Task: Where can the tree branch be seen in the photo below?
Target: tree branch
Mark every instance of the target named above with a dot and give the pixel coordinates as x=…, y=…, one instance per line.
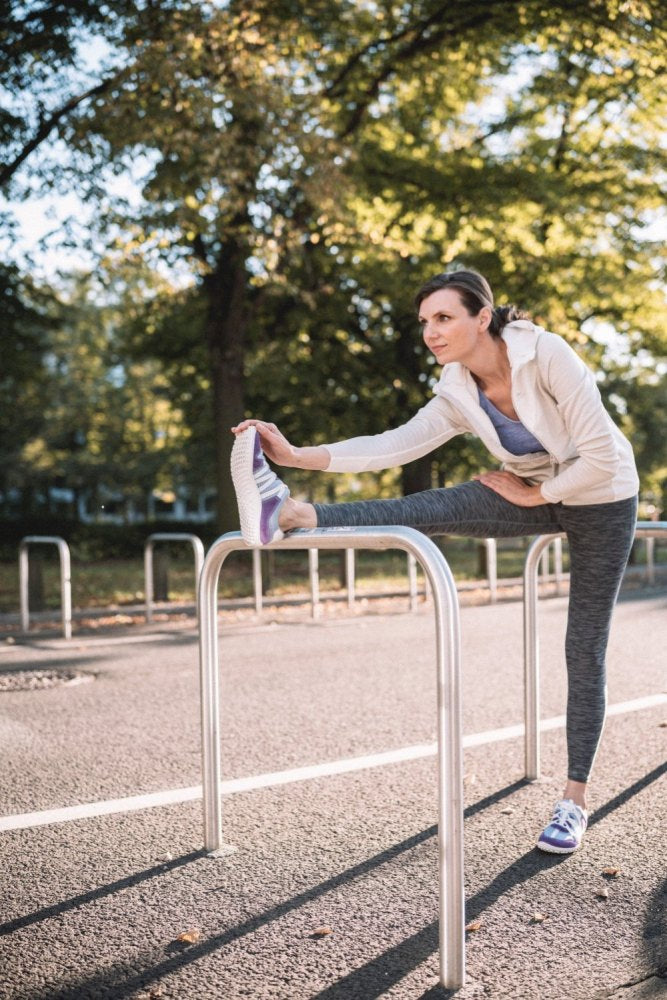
x=417, y=44
x=8, y=170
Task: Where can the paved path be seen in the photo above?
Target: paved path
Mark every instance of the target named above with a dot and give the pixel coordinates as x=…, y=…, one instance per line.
x=93, y=906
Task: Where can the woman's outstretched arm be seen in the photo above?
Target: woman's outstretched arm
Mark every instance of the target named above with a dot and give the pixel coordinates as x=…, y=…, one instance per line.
x=276, y=447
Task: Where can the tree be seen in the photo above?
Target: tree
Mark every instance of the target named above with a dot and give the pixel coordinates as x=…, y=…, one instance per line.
x=27, y=314
x=302, y=164
x=105, y=423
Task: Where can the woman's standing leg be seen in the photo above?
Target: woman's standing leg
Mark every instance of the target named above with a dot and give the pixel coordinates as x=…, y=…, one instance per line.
x=600, y=538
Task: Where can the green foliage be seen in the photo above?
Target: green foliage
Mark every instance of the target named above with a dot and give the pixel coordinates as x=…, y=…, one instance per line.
x=302, y=169
x=101, y=421
x=27, y=319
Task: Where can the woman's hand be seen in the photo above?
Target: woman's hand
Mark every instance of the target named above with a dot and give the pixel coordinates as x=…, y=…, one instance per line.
x=512, y=488
x=274, y=443
x=276, y=447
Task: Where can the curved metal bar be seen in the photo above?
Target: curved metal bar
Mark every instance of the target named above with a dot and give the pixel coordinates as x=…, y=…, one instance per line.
x=450, y=771
x=166, y=536
x=65, y=579
x=644, y=529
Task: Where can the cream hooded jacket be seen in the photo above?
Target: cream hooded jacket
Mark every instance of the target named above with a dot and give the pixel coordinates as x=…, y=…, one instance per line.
x=556, y=398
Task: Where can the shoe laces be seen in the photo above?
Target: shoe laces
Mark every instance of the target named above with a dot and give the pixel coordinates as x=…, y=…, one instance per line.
x=568, y=816
x=267, y=481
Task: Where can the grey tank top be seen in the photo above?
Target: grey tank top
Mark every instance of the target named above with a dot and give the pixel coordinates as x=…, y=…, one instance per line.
x=513, y=435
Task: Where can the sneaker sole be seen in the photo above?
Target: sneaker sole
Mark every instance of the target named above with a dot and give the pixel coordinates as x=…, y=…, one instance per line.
x=247, y=493
x=550, y=849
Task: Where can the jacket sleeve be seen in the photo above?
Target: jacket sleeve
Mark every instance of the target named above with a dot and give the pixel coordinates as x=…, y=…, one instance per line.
x=431, y=426
x=587, y=423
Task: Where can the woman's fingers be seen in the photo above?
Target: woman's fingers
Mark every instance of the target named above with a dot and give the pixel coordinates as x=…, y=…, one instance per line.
x=512, y=488
x=250, y=422
x=274, y=443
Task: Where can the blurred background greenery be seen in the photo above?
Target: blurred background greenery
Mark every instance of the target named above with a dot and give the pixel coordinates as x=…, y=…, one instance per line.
x=240, y=201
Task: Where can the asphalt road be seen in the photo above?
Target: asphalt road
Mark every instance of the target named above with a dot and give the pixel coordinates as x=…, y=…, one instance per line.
x=332, y=891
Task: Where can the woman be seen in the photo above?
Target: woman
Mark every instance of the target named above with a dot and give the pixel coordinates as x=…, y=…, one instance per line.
x=565, y=468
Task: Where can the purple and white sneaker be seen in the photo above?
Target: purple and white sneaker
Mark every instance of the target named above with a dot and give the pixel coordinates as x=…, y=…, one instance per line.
x=259, y=492
x=564, y=833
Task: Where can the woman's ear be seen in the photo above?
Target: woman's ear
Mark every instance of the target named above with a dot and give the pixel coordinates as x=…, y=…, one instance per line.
x=484, y=316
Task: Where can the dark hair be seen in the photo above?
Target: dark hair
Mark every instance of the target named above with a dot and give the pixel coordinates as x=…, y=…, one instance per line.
x=475, y=293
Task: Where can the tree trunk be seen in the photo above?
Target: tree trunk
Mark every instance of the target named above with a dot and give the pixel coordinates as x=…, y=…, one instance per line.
x=226, y=324
x=416, y=476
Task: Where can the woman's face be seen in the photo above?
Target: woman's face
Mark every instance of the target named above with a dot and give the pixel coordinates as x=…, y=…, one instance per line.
x=449, y=331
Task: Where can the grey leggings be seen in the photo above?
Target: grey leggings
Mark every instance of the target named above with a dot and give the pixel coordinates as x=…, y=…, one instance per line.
x=599, y=537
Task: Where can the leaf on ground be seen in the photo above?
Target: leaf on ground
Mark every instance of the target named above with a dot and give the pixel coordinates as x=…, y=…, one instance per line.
x=661, y=725
x=190, y=937
x=507, y=812
x=539, y=918
x=474, y=925
x=322, y=932
x=611, y=871
x=602, y=892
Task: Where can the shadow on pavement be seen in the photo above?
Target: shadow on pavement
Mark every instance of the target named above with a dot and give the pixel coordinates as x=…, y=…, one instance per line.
x=115, y=983
x=373, y=979
x=94, y=894
x=627, y=794
x=654, y=935
x=369, y=981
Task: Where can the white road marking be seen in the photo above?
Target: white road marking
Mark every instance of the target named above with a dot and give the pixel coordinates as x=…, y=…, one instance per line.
x=175, y=796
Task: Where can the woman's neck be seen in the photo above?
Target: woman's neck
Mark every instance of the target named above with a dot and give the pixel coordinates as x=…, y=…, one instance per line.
x=491, y=368
x=492, y=373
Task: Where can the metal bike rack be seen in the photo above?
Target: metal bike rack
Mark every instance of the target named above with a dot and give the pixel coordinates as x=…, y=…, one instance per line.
x=450, y=776
x=492, y=568
x=257, y=584
x=412, y=580
x=350, y=582
x=350, y=578
x=166, y=536
x=314, y=577
x=65, y=579
x=650, y=561
x=257, y=580
x=558, y=563
x=644, y=529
